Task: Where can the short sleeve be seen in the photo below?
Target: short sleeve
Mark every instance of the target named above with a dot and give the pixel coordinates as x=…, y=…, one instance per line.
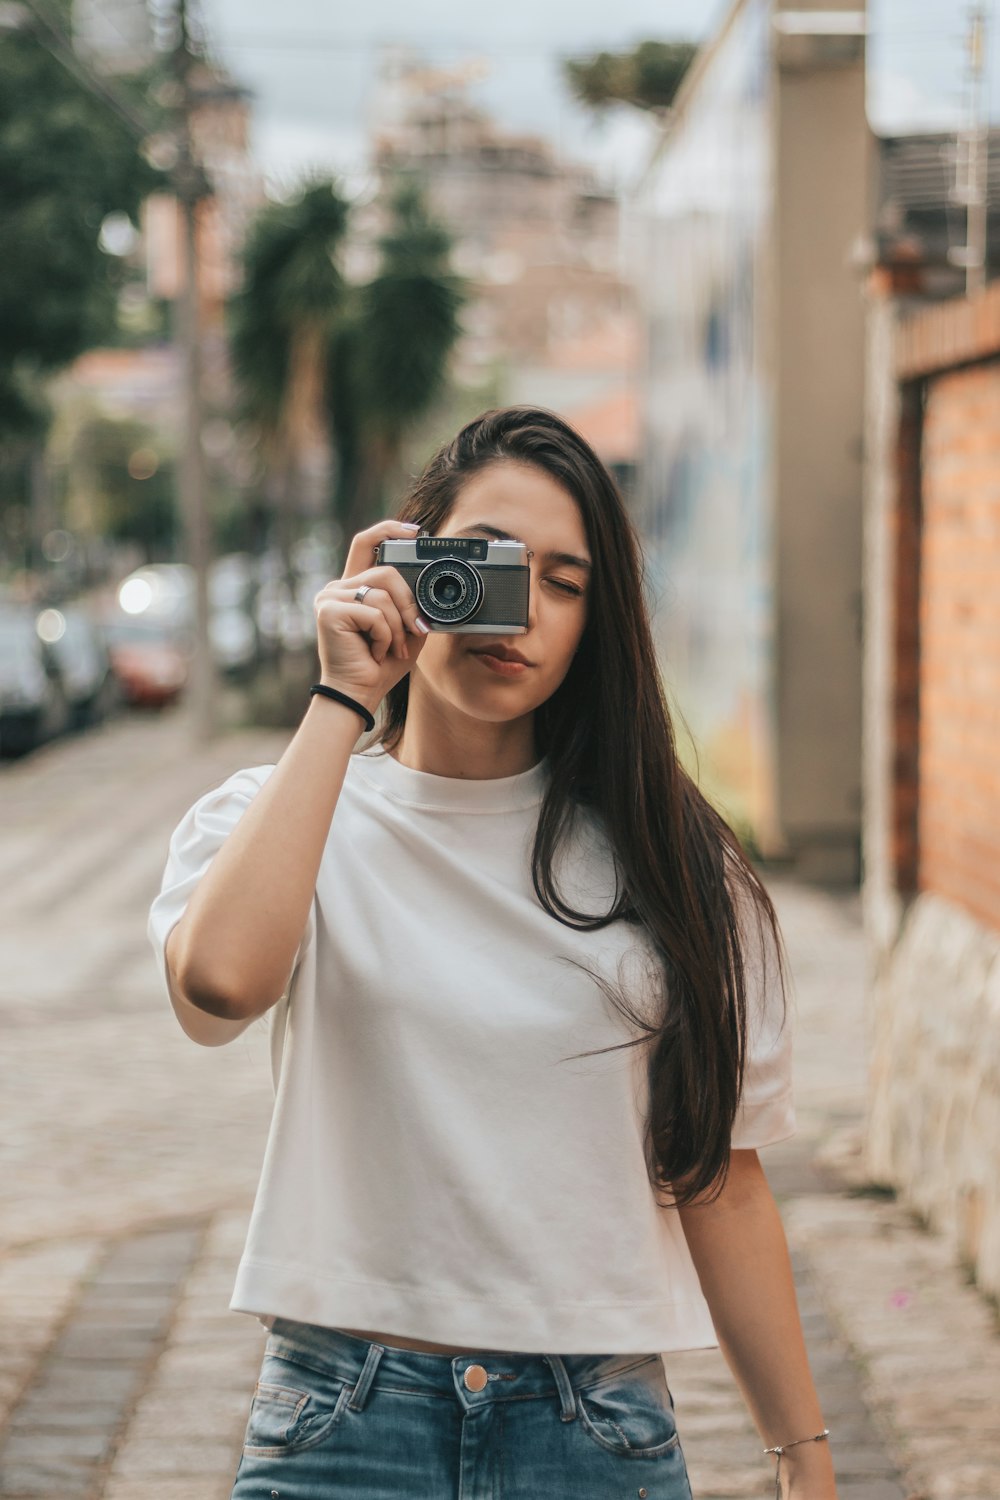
x=193, y=845
x=766, y=1112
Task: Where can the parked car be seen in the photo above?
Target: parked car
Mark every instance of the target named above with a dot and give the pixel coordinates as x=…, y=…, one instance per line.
x=164, y=593
x=283, y=620
x=234, y=642
x=232, y=580
x=79, y=646
x=150, y=658
x=233, y=632
x=34, y=706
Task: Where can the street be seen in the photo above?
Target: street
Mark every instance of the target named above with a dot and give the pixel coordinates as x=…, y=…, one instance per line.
x=129, y=1157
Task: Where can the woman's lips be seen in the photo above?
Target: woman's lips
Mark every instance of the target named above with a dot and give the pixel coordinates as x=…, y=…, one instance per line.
x=500, y=666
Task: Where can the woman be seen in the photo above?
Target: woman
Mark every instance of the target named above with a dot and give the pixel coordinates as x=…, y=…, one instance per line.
x=527, y=1032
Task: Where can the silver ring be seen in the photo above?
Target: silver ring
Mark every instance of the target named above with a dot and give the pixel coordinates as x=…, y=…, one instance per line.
x=362, y=591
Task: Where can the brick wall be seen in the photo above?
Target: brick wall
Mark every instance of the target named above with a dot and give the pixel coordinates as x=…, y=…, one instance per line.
x=959, y=742
x=933, y=688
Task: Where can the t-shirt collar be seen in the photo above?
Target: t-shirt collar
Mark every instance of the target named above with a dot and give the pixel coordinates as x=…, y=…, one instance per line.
x=500, y=794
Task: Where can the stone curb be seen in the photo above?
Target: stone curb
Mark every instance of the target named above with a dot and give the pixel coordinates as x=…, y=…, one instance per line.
x=925, y=1340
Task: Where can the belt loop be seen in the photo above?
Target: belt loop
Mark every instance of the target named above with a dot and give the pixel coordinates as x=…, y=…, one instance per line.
x=360, y=1393
x=563, y=1385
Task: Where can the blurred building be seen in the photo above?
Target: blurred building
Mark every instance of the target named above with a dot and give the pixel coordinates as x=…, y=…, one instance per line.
x=744, y=228
x=932, y=717
x=920, y=222
x=551, y=320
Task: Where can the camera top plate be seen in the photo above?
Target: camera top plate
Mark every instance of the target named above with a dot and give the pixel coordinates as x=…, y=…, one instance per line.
x=503, y=553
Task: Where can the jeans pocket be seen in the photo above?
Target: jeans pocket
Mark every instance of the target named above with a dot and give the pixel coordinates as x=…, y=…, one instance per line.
x=631, y=1413
x=290, y=1412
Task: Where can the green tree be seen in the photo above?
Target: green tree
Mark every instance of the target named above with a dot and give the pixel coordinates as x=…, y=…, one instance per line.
x=130, y=478
x=282, y=323
x=367, y=361
x=66, y=162
x=390, y=359
x=648, y=77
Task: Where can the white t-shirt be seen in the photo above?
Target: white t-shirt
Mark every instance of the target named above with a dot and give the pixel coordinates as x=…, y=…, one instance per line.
x=434, y=1168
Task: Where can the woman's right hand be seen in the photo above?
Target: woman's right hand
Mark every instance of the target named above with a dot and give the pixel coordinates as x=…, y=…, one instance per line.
x=366, y=648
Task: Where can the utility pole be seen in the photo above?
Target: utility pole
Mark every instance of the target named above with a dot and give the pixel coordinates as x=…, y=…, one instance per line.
x=972, y=159
x=192, y=187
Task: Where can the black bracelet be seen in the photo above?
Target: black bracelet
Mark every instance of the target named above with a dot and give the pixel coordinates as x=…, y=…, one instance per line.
x=359, y=708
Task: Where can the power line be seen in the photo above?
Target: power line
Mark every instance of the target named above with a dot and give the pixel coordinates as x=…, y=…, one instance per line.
x=343, y=42
x=59, y=44
x=421, y=45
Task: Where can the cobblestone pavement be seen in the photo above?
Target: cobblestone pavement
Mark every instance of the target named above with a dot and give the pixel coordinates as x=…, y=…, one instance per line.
x=129, y=1156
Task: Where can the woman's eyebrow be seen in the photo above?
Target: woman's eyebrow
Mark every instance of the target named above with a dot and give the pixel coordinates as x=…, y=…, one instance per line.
x=568, y=558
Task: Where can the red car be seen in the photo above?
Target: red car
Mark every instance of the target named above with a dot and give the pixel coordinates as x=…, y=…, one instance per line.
x=150, y=659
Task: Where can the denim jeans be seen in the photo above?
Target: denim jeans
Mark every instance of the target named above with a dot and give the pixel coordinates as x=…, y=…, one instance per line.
x=335, y=1417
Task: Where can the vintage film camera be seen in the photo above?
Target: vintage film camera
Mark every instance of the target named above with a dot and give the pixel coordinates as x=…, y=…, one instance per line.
x=465, y=584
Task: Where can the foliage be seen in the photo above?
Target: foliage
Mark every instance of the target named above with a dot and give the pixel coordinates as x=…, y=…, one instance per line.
x=401, y=375
x=66, y=162
x=135, y=501
x=390, y=361
x=381, y=348
x=291, y=279
x=648, y=77
x=281, y=323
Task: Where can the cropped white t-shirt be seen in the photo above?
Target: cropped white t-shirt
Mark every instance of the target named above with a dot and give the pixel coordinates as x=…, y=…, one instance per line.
x=438, y=1166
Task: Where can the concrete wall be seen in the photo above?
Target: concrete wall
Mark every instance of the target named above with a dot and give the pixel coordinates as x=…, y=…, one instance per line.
x=822, y=174
x=750, y=213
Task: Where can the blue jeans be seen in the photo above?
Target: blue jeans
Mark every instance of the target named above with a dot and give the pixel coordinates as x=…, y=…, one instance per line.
x=335, y=1417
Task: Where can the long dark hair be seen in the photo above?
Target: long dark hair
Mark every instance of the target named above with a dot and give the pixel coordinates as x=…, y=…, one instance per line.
x=610, y=746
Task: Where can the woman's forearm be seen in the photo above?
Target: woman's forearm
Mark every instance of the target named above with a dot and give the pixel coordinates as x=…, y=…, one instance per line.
x=740, y=1252
x=232, y=951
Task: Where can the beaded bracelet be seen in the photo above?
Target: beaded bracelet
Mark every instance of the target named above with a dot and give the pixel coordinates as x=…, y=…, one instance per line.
x=779, y=1449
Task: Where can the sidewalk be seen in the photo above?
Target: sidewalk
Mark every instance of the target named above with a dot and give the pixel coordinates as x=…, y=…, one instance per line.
x=905, y=1354
x=129, y=1159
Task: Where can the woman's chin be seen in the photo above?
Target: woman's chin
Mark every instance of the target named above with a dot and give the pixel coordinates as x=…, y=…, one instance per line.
x=494, y=702
x=480, y=694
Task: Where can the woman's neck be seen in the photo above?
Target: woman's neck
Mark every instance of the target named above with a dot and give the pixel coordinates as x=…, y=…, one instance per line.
x=442, y=741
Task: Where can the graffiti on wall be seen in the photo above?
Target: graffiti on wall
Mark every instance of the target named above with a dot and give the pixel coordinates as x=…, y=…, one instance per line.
x=700, y=223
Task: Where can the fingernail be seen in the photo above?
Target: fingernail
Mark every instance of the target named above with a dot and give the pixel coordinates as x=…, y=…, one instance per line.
x=411, y=525
x=421, y=625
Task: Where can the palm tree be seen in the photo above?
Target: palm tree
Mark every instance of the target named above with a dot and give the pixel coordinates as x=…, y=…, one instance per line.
x=390, y=355
x=648, y=77
x=356, y=366
x=283, y=320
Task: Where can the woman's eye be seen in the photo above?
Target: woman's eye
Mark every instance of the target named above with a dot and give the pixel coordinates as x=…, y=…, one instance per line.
x=567, y=588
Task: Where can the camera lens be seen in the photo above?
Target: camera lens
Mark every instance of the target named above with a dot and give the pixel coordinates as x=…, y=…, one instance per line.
x=449, y=591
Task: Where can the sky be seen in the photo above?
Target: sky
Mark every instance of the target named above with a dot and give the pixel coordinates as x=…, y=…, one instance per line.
x=313, y=67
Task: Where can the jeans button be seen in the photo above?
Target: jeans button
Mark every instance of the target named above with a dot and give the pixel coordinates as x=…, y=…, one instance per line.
x=475, y=1378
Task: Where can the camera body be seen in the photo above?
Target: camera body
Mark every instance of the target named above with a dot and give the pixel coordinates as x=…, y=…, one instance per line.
x=465, y=584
